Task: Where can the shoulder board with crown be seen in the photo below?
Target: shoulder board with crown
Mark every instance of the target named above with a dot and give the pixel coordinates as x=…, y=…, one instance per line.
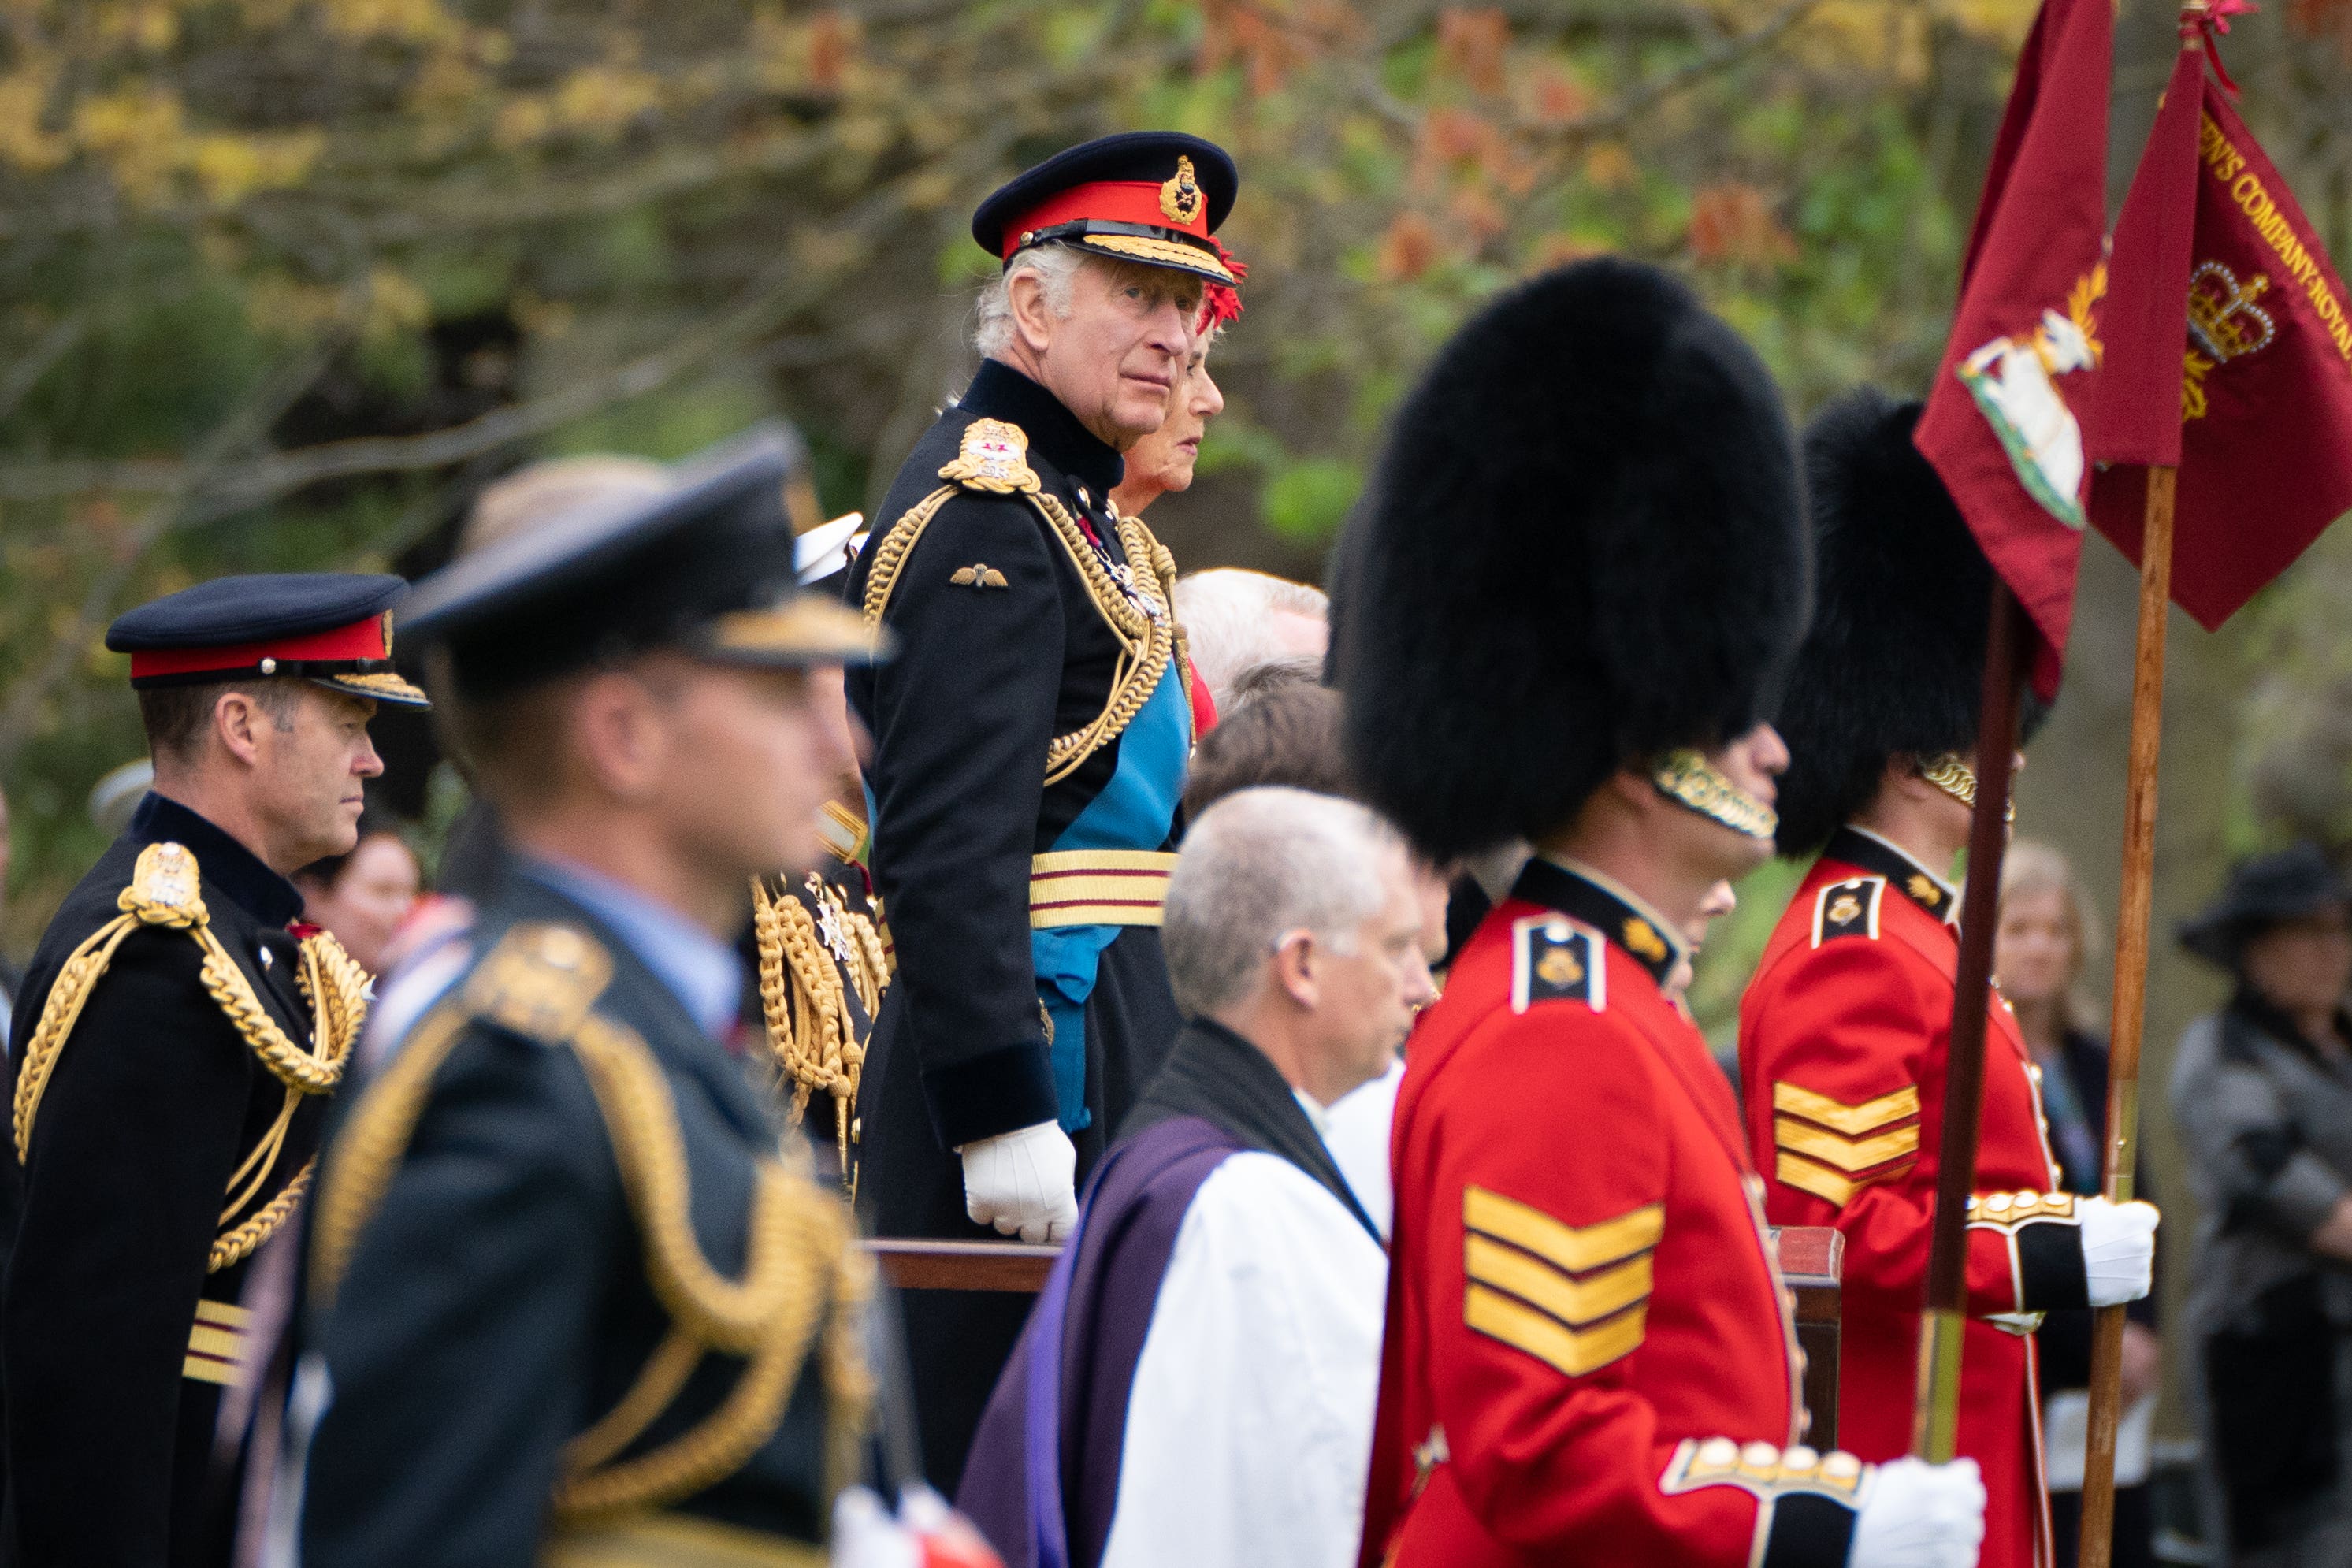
x=992, y=459
x=1555, y=959
x=539, y=981
x=1849, y=908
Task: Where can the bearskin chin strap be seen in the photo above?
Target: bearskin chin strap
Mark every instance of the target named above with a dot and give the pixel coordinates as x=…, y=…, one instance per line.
x=1952, y=774
x=1689, y=779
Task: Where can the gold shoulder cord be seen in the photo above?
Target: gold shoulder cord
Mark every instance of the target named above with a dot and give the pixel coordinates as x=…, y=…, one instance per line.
x=165, y=892
x=800, y=1265
x=810, y=1027
x=1146, y=641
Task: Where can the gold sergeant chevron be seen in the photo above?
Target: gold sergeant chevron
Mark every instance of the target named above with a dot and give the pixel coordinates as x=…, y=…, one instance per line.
x=1575, y=1298
x=1831, y=1150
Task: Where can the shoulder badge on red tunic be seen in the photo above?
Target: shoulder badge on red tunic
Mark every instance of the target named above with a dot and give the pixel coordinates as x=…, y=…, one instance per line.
x=1848, y=908
x=1573, y=1296
x=1554, y=959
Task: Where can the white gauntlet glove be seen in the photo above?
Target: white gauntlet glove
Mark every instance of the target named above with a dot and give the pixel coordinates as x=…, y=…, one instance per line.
x=2118, y=1250
x=1918, y=1515
x=925, y=1533
x=1023, y=1182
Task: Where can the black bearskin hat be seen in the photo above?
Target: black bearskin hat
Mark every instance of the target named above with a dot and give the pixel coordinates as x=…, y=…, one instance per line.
x=1584, y=546
x=1895, y=660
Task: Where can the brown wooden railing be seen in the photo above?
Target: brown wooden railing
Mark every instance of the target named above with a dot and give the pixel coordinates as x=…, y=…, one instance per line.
x=1812, y=1260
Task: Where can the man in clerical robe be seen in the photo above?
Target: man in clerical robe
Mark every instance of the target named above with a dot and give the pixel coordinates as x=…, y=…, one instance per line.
x=1195, y=1386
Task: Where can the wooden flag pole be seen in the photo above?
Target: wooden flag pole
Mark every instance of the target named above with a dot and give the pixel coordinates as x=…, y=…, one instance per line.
x=2131, y=998
x=1935, y=1413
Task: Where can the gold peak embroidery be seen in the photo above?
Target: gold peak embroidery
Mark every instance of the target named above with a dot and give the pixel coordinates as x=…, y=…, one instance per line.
x=993, y=458
x=979, y=575
x=1180, y=193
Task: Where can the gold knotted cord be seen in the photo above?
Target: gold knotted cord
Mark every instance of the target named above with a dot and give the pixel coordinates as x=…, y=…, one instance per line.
x=1147, y=641
x=810, y=1030
x=164, y=893
x=801, y=1266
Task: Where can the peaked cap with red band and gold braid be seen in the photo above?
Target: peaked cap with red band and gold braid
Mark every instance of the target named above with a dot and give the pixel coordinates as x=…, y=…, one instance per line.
x=334, y=628
x=1152, y=197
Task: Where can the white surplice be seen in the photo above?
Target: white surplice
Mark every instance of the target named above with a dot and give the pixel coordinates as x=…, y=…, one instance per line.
x=1249, y=1429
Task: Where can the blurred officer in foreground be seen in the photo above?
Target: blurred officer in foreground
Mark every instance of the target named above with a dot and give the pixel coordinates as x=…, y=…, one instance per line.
x=176, y=1034
x=1565, y=619
x=576, y=1303
x=1844, y=1031
x=1029, y=738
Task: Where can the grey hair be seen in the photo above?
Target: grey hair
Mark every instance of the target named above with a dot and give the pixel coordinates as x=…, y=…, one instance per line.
x=1258, y=865
x=1223, y=613
x=1057, y=269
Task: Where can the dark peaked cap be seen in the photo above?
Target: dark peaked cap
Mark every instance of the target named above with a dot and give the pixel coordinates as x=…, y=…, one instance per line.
x=704, y=566
x=1584, y=546
x=1895, y=659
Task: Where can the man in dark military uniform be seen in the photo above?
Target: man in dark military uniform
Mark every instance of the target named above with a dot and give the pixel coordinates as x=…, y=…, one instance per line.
x=177, y=1037
x=578, y=1301
x=1030, y=741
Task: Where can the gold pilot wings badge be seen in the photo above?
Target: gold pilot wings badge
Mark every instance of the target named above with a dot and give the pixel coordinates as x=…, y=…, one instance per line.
x=994, y=457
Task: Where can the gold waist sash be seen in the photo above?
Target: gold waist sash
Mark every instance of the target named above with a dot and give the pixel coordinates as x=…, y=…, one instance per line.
x=676, y=1541
x=1098, y=888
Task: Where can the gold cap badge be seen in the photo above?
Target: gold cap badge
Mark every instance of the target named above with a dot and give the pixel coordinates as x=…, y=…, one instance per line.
x=1180, y=194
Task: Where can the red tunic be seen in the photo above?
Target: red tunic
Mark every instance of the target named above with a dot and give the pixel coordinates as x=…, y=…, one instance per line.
x=1589, y=1355
x=1842, y=1036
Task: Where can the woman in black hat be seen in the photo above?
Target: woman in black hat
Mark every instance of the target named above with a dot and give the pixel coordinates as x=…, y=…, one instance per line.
x=2262, y=1094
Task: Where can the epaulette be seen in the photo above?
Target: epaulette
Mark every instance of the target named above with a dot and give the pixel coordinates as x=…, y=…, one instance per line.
x=539, y=981
x=1848, y=908
x=1554, y=959
x=993, y=459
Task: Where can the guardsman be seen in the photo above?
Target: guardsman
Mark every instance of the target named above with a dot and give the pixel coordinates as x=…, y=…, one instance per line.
x=1029, y=738
x=1564, y=620
x=1844, y=1029
x=177, y=1035
x=577, y=1299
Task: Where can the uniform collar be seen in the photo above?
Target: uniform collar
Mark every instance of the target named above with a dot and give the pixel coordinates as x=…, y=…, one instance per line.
x=1001, y=392
x=224, y=861
x=1608, y=906
x=703, y=973
x=1860, y=846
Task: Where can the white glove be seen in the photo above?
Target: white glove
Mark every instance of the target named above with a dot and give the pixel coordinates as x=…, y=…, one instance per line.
x=2119, y=1249
x=1918, y=1515
x=927, y=1533
x=1025, y=1181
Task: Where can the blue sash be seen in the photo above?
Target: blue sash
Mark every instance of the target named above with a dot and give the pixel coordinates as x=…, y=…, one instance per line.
x=1135, y=811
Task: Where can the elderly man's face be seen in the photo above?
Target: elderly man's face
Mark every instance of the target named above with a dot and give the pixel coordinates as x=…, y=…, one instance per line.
x=1367, y=998
x=1116, y=357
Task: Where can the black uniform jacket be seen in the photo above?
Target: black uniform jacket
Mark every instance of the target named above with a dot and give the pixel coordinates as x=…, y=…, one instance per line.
x=118, y=1336
x=985, y=676
x=1002, y=648
x=556, y=1171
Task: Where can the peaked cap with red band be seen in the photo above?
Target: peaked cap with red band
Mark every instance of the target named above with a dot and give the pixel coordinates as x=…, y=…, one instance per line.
x=1153, y=196
x=330, y=627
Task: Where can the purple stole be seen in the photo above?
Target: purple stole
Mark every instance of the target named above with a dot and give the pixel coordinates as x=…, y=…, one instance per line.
x=1042, y=1477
